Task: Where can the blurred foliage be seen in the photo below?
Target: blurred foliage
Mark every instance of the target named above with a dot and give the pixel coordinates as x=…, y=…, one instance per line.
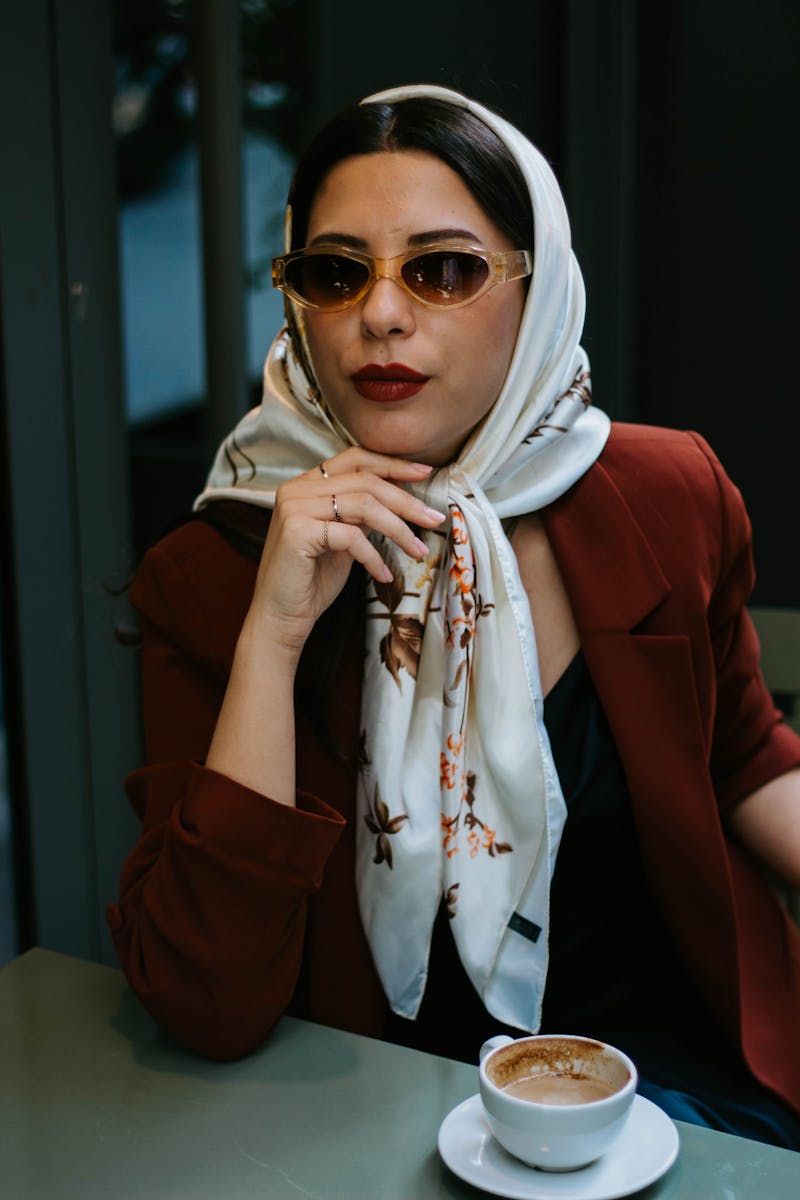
x=155, y=96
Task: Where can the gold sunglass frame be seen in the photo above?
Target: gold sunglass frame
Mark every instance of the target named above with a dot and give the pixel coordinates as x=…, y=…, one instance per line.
x=504, y=265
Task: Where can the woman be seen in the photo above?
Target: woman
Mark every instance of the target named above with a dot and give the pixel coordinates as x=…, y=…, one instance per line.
x=416, y=818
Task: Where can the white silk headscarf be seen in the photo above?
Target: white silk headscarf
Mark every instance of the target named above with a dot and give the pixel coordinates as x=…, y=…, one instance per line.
x=458, y=798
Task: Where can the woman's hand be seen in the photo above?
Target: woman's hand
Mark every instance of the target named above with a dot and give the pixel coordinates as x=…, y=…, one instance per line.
x=307, y=557
x=309, y=550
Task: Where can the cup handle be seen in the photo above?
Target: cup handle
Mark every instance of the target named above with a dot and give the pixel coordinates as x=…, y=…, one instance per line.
x=494, y=1043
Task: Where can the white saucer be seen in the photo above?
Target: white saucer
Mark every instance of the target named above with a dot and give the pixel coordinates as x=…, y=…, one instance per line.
x=646, y=1149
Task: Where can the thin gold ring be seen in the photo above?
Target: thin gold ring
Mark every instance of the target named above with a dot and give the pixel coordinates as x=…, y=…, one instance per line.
x=337, y=516
x=325, y=535
x=322, y=468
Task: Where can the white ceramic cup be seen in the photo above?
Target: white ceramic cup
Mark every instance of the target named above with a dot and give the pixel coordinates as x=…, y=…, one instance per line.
x=555, y=1137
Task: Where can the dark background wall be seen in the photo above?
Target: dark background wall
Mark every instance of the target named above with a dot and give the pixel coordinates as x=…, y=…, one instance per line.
x=672, y=130
x=717, y=251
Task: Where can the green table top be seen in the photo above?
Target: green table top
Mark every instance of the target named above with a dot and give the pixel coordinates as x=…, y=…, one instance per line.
x=95, y=1102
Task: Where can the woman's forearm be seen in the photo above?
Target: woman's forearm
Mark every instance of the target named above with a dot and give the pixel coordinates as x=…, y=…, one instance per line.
x=254, y=739
x=767, y=822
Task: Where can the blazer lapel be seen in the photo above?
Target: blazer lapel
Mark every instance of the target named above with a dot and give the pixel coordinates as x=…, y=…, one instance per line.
x=642, y=668
x=645, y=677
x=612, y=575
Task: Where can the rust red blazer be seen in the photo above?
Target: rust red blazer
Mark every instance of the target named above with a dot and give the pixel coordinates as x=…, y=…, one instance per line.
x=233, y=907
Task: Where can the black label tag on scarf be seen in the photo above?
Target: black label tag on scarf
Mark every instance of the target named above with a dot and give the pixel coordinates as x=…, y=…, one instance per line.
x=528, y=929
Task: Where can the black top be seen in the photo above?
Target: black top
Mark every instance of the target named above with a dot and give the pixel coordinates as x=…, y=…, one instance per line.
x=612, y=965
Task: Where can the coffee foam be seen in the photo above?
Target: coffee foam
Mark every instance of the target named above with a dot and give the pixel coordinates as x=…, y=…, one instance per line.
x=555, y=1056
x=549, y=1088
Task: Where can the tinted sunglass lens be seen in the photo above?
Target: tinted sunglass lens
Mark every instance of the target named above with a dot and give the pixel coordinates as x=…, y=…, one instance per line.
x=326, y=280
x=445, y=276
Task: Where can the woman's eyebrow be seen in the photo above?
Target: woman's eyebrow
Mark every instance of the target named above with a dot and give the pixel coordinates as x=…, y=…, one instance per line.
x=442, y=235
x=341, y=239
x=414, y=239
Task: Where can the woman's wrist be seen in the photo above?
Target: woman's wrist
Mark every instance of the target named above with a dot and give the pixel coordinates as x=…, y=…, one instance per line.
x=271, y=647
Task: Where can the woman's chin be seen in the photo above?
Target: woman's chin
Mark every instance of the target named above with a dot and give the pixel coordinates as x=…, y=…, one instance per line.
x=411, y=453
x=401, y=433
x=408, y=447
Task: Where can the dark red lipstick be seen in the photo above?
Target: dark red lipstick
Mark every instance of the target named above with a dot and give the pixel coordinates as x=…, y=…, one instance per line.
x=395, y=381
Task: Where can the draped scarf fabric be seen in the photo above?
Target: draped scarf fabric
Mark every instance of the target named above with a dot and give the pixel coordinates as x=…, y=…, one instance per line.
x=459, y=799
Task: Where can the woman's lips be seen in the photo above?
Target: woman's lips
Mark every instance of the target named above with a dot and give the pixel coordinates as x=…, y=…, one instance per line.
x=395, y=381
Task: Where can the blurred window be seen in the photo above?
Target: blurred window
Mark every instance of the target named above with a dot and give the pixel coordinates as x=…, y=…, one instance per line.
x=154, y=118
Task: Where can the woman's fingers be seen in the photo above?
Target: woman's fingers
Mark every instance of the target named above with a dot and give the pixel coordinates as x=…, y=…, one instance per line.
x=322, y=541
x=352, y=540
x=363, y=490
x=392, y=497
x=383, y=509
x=323, y=517
x=356, y=459
x=366, y=511
x=308, y=551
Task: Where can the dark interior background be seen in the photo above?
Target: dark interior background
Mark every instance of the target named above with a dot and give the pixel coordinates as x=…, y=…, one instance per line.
x=672, y=128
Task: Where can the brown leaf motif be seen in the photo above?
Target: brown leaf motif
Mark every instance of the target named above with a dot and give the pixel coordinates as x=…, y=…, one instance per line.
x=580, y=388
x=390, y=594
x=380, y=822
x=401, y=646
x=451, y=900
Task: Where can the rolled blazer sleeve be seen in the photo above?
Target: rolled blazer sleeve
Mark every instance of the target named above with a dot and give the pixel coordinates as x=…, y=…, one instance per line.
x=751, y=744
x=210, y=922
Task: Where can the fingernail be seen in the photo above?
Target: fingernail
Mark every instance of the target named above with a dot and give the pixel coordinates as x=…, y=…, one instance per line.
x=421, y=467
x=421, y=547
x=434, y=514
x=387, y=574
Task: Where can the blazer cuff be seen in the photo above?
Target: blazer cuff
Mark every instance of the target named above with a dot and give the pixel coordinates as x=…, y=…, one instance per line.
x=781, y=753
x=208, y=808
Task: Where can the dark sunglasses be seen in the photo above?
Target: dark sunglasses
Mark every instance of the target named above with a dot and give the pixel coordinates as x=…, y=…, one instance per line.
x=441, y=276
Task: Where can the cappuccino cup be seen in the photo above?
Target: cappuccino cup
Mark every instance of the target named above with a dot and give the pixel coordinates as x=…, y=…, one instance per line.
x=555, y=1101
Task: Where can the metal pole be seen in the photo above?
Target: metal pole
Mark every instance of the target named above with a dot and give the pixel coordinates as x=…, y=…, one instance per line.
x=218, y=69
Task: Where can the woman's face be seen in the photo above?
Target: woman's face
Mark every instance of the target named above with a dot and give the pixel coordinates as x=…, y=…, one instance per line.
x=383, y=204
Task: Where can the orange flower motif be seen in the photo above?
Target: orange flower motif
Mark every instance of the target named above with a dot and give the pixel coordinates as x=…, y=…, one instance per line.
x=458, y=631
x=480, y=836
x=462, y=580
x=450, y=830
x=447, y=772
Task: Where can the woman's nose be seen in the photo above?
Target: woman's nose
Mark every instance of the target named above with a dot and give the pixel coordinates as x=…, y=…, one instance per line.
x=387, y=310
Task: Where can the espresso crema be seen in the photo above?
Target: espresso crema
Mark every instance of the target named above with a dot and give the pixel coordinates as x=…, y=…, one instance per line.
x=559, y=1088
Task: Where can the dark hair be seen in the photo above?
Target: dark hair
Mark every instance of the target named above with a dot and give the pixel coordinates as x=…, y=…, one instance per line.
x=447, y=131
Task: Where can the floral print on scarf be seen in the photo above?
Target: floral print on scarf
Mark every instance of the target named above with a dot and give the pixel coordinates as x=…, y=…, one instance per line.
x=400, y=648
x=464, y=608
x=383, y=825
